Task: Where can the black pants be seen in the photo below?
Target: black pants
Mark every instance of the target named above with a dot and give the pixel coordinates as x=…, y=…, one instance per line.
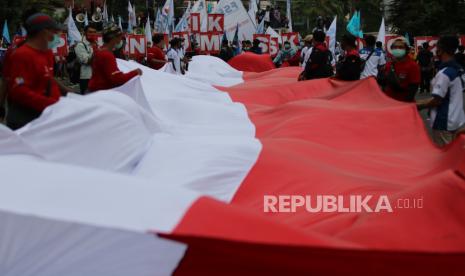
x=426, y=76
x=83, y=84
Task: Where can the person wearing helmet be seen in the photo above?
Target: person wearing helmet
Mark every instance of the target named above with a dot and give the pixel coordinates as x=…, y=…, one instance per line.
x=402, y=74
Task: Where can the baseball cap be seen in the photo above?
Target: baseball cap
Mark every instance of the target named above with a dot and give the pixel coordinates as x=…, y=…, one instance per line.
x=41, y=21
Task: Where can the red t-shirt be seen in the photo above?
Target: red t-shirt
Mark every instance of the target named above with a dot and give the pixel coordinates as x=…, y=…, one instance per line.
x=30, y=78
x=155, y=53
x=105, y=72
x=408, y=73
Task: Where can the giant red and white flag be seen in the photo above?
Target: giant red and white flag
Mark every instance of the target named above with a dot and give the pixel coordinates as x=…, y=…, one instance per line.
x=176, y=174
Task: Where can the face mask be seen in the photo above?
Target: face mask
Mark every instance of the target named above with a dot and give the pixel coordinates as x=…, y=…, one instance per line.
x=119, y=45
x=55, y=42
x=398, y=53
x=91, y=38
x=287, y=47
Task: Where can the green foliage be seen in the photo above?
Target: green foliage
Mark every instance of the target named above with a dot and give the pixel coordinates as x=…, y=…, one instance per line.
x=427, y=17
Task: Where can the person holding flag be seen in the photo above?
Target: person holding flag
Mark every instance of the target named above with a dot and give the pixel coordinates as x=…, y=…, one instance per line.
x=156, y=58
x=105, y=72
x=31, y=86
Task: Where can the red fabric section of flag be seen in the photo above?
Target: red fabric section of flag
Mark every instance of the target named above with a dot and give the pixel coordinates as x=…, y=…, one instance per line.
x=250, y=62
x=328, y=137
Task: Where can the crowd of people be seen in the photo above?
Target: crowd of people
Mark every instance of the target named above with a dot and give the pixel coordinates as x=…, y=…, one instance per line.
x=30, y=70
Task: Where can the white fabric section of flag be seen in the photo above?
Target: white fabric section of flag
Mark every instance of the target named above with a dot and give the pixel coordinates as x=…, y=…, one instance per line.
x=253, y=9
x=176, y=110
x=382, y=33
x=289, y=14
x=112, y=19
x=273, y=33
x=234, y=14
x=332, y=35
x=148, y=30
x=73, y=33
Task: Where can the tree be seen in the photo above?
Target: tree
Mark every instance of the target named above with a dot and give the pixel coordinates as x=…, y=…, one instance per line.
x=427, y=17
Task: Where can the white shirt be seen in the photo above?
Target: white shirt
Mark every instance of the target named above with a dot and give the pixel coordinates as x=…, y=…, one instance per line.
x=307, y=56
x=371, y=65
x=449, y=115
x=174, y=60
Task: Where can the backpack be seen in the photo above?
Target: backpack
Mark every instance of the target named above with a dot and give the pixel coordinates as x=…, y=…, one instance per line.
x=363, y=62
x=349, y=68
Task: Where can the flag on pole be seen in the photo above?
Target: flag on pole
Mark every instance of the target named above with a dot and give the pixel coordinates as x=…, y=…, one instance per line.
x=157, y=25
x=382, y=32
x=86, y=20
x=202, y=9
x=73, y=33
x=23, y=31
x=132, y=20
x=105, y=12
x=183, y=24
x=148, y=30
x=112, y=19
x=354, y=25
x=261, y=27
x=6, y=33
x=407, y=38
x=168, y=15
x=288, y=14
x=253, y=9
x=332, y=35
x=120, y=25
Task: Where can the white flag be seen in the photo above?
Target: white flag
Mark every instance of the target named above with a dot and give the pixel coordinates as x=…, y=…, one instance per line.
x=105, y=12
x=73, y=33
x=132, y=20
x=233, y=17
x=253, y=9
x=119, y=23
x=86, y=20
x=332, y=35
x=288, y=14
x=382, y=33
x=183, y=24
x=148, y=30
x=261, y=27
x=168, y=15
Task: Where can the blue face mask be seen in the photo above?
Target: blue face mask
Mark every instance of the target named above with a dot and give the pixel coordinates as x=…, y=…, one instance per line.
x=55, y=42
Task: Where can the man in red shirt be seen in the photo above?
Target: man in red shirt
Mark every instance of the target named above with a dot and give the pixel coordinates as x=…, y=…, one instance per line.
x=105, y=72
x=402, y=73
x=31, y=86
x=155, y=55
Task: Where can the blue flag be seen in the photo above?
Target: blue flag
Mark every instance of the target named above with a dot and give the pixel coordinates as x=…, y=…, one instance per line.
x=6, y=33
x=354, y=25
